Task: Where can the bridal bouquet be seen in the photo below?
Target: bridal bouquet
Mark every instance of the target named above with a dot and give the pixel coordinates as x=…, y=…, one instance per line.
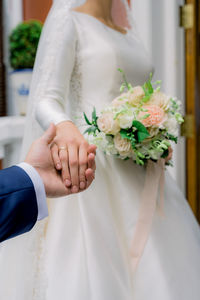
x=139, y=124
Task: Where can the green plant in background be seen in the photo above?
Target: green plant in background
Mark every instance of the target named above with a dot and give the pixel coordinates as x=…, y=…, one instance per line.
x=23, y=44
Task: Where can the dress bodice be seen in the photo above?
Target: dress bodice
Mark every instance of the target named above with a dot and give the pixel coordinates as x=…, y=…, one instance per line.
x=86, y=69
x=100, y=51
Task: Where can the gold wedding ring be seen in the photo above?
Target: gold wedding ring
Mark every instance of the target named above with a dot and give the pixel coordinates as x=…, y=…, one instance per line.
x=62, y=148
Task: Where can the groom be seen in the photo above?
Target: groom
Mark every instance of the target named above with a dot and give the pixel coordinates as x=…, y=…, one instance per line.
x=23, y=188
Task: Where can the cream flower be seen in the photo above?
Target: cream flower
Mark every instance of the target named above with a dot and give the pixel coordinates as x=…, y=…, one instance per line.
x=171, y=126
x=136, y=95
x=123, y=146
x=125, y=121
x=122, y=99
x=107, y=124
x=153, y=131
x=160, y=99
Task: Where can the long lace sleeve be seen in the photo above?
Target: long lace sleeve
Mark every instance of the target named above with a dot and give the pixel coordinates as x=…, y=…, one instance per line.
x=56, y=76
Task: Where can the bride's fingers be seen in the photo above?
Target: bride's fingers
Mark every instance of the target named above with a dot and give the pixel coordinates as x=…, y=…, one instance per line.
x=170, y=154
x=74, y=167
x=83, y=160
x=55, y=157
x=63, y=154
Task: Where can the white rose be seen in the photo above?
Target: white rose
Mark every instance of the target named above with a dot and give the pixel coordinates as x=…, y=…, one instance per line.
x=160, y=99
x=171, y=125
x=136, y=95
x=107, y=124
x=125, y=121
x=123, y=146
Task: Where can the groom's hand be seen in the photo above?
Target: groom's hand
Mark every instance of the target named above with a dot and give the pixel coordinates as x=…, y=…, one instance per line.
x=40, y=158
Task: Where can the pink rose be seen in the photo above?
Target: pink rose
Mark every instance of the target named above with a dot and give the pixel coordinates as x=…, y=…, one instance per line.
x=156, y=116
x=160, y=99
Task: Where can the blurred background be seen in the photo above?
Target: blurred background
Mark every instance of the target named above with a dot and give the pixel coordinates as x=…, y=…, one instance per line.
x=170, y=30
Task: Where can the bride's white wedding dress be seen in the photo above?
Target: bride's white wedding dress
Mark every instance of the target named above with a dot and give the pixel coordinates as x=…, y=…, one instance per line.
x=81, y=252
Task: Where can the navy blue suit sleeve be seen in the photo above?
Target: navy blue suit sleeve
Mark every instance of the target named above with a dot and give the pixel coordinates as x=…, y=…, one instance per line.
x=18, y=203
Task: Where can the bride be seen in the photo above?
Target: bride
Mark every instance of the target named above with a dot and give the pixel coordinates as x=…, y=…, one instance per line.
x=82, y=251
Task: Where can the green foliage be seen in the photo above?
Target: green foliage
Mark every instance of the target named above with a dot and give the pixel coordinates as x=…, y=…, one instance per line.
x=142, y=132
x=135, y=135
x=93, y=127
x=125, y=84
x=172, y=138
x=86, y=119
x=23, y=44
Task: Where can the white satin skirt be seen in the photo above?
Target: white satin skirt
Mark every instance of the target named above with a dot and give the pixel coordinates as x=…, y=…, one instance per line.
x=82, y=251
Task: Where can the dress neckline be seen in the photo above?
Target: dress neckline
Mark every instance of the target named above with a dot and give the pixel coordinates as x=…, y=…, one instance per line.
x=98, y=21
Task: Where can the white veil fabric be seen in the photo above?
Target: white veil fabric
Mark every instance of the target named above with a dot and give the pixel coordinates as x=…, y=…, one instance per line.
x=48, y=50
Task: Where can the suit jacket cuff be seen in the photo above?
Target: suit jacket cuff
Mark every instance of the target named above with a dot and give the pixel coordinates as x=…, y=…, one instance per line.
x=39, y=189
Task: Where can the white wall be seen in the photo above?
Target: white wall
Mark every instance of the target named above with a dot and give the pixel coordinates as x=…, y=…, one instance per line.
x=12, y=12
x=11, y=128
x=158, y=24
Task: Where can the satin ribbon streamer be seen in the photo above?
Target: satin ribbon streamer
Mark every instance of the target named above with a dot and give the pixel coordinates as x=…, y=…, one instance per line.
x=154, y=181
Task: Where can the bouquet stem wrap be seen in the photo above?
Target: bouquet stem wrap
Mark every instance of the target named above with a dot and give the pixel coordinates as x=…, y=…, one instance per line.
x=154, y=182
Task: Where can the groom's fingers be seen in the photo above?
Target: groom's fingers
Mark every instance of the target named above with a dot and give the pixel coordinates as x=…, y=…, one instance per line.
x=49, y=134
x=91, y=161
x=74, y=167
x=90, y=172
x=55, y=157
x=89, y=176
x=92, y=149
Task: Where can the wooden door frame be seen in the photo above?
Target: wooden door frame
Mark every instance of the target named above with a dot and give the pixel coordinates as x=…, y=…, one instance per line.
x=192, y=64
x=198, y=103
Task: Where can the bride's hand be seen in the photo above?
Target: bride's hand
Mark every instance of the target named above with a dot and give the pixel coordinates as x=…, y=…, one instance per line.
x=169, y=157
x=70, y=155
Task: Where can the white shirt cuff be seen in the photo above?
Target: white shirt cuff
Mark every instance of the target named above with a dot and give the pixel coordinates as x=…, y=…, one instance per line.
x=39, y=189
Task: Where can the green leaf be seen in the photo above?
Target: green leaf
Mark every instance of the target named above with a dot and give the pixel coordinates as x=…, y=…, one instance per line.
x=94, y=115
x=142, y=136
x=133, y=142
x=145, y=116
x=165, y=153
x=122, y=88
x=127, y=158
x=91, y=130
x=124, y=78
x=142, y=132
x=172, y=138
x=86, y=119
x=146, y=98
x=124, y=134
x=140, y=126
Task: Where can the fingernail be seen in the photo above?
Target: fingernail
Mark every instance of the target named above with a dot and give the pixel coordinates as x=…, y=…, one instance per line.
x=75, y=189
x=82, y=185
x=58, y=166
x=68, y=183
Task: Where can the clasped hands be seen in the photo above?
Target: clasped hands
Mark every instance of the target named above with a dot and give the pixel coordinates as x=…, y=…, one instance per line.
x=63, y=159
x=72, y=155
